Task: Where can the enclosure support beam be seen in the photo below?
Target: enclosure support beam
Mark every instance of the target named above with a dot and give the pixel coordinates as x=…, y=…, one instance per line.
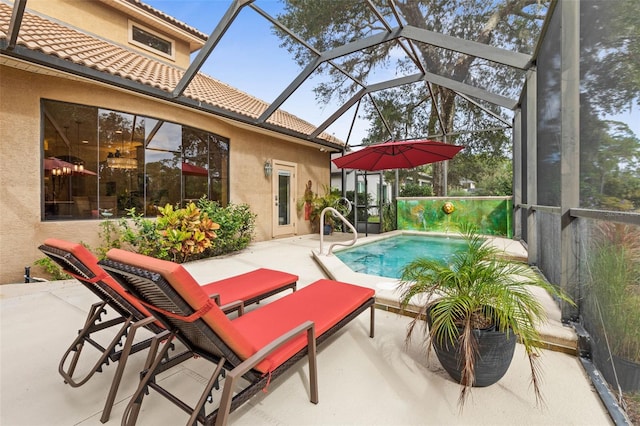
x=16, y=21
x=468, y=47
x=517, y=174
x=570, y=150
x=531, y=146
x=501, y=56
x=222, y=27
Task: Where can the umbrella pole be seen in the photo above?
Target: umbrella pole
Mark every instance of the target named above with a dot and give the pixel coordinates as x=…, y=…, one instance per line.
x=445, y=171
x=397, y=185
x=366, y=204
x=355, y=198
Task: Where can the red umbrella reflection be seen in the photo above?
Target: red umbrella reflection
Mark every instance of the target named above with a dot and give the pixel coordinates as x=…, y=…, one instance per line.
x=191, y=170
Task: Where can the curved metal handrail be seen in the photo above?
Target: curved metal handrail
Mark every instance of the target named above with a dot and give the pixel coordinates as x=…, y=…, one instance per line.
x=336, y=213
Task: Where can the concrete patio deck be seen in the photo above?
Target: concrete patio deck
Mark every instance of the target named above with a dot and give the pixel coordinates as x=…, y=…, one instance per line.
x=362, y=381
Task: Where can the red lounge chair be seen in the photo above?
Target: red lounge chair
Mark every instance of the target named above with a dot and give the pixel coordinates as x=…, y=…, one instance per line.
x=231, y=293
x=257, y=346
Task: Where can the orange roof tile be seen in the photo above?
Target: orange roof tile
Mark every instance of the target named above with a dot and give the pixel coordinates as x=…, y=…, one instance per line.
x=39, y=34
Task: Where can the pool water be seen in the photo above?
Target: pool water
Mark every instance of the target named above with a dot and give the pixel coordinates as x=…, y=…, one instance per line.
x=387, y=257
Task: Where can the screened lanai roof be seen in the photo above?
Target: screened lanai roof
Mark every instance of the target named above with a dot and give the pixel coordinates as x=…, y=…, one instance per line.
x=260, y=61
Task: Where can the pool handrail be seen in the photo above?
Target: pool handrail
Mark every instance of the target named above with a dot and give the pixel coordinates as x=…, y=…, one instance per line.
x=336, y=213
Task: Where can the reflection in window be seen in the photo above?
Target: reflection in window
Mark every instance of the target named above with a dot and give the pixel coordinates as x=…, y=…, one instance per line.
x=219, y=167
x=609, y=135
x=163, y=161
x=151, y=40
x=99, y=163
x=195, y=164
x=120, y=138
x=284, y=192
x=69, y=165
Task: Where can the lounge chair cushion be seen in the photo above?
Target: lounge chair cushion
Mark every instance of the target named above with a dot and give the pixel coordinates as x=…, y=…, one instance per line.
x=192, y=293
x=89, y=260
x=249, y=285
x=325, y=302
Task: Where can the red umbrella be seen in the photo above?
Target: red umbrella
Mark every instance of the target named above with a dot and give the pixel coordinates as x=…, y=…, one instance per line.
x=397, y=155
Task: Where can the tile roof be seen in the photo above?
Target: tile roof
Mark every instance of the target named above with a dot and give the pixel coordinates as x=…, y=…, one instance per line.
x=53, y=38
x=170, y=19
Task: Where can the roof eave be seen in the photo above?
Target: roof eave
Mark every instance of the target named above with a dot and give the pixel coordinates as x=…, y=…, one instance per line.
x=163, y=22
x=42, y=59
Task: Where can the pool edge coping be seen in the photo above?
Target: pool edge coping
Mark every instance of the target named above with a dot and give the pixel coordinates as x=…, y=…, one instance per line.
x=556, y=336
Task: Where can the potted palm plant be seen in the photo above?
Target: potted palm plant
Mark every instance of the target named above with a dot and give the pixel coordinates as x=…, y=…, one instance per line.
x=476, y=306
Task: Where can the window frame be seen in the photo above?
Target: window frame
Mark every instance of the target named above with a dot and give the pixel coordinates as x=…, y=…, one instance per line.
x=172, y=43
x=218, y=177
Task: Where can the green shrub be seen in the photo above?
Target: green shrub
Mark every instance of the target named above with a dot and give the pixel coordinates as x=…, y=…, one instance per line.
x=181, y=234
x=111, y=236
x=54, y=270
x=613, y=270
x=237, y=224
x=389, y=222
x=143, y=235
x=415, y=190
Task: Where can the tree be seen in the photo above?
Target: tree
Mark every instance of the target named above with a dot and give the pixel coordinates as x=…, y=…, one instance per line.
x=609, y=150
x=330, y=23
x=610, y=166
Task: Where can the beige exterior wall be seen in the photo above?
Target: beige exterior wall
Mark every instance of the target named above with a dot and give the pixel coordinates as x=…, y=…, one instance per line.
x=107, y=23
x=21, y=227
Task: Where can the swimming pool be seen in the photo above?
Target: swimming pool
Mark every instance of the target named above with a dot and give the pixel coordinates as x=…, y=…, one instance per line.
x=387, y=257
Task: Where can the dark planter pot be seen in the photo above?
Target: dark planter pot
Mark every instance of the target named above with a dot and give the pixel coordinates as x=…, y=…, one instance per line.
x=327, y=230
x=495, y=352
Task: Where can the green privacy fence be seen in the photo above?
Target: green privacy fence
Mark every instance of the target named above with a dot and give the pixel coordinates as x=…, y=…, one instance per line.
x=490, y=215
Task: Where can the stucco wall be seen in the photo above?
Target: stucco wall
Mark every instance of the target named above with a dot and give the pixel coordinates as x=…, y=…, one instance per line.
x=106, y=22
x=21, y=228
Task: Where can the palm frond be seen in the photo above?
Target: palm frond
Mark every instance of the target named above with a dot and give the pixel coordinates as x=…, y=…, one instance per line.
x=468, y=352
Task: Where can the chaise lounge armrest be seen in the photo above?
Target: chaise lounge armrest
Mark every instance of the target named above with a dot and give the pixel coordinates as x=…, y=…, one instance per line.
x=260, y=355
x=238, y=305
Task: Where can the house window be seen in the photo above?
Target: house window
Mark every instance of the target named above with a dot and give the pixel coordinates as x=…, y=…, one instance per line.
x=98, y=163
x=150, y=40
